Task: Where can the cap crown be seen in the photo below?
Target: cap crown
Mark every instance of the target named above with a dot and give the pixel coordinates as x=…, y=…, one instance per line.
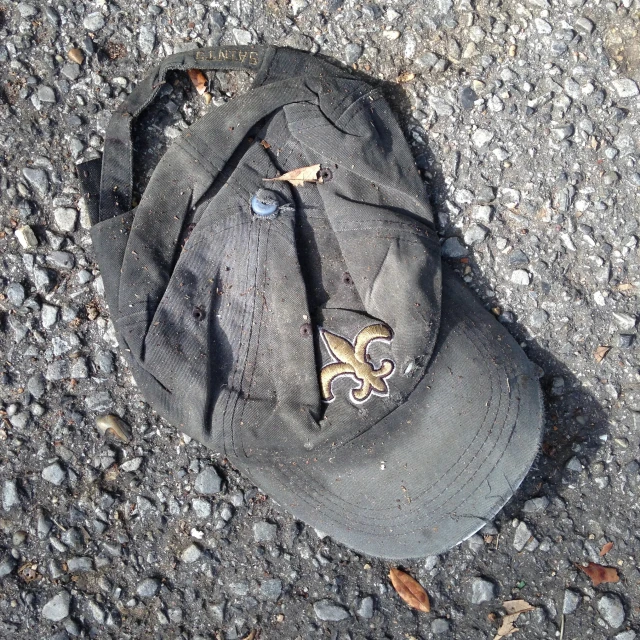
x=283, y=333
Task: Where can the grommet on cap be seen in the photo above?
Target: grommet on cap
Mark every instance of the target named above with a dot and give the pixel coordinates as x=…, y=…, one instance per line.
x=265, y=204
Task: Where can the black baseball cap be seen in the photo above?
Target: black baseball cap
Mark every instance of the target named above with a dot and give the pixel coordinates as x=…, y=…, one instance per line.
x=309, y=331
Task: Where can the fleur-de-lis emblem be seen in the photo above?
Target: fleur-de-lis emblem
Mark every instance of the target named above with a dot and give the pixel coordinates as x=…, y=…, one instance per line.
x=353, y=360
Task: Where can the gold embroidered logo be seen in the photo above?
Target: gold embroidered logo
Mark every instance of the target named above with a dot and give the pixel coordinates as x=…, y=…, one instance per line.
x=229, y=54
x=353, y=360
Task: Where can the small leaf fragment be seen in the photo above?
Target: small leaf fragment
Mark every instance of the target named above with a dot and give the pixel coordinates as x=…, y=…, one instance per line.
x=76, y=55
x=265, y=144
x=251, y=636
x=406, y=77
x=599, y=573
x=115, y=426
x=513, y=608
x=601, y=353
x=410, y=590
x=199, y=80
x=606, y=548
x=298, y=177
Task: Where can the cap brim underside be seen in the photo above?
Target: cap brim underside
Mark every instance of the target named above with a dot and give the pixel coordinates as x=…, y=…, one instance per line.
x=441, y=465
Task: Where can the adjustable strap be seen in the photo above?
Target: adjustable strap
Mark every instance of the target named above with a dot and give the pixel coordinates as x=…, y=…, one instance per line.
x=117, y=163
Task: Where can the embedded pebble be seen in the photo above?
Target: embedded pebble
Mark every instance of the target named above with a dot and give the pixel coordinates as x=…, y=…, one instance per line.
x=208, y=482
x=327, y=610
x=54, y=474
x=482, y=590
x=191, y=554
x=57, y=608
x=612, y=610
x=148, y=588
x=264, y=532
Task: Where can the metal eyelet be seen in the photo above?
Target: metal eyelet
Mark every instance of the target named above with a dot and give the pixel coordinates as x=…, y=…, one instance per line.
x=197, y=313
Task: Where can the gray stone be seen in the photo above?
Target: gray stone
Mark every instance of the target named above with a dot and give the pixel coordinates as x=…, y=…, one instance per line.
x=440, y=626
x=93, y=22
x=20, y=421
x=49, y=315
x=61, y=259
x=522, y=536
x=625, y=635
x=208, y=482
x=264, y=531
x=585, y=26
x=38, y=180
x=453, y=248
x=148, y=588
x=96, y=611
x=79, y=369
x=46, y=94
x=563, y=132
x=573, y=464
x=482, y=213
x=191, y=554
x=104, y=362
x=65, y=218
x=201, y=507
x=482, y=590
x=54, y=474
x=239, y=589
x=58, y=370
x=475, y=234
x=7, y=565
x=538, y=319
x=42, y=279
x=81, y=564
x=241, y=36
x=71, y=70
x=571, y=601
x=536, y=505
x=611, y=609
x=271, y=589
x=365, y=610
x=100, y=401
x=15, y=294
x=427, y=61
x=147, y=38
x=328, y=611
x=10, y=495
x=27, y=10
x=625, y=321
x=352, y=53
x=131, y=465
x=481, y=138
x=625, y=87
x=57, y=608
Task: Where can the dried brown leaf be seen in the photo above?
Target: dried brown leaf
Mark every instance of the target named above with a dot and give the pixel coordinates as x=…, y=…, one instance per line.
x=265, y=144
x=513, y=608
x=406, y=77
x=601, y=353
x=251, y=636
x=606, y=548
x=410, y=590
x=599, y=573
x=198, y=79
x=517, y=606
x=298, y=177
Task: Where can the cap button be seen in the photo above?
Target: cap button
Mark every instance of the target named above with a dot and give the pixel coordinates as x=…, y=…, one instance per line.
x=265, y=204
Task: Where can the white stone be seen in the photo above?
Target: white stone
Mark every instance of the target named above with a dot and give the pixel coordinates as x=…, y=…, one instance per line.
x=26, y=237
x=481, y=138
x=626, y=88
x=521, y=277
x=65, y=218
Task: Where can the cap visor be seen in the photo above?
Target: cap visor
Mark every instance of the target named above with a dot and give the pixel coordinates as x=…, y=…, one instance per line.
x=441, y=465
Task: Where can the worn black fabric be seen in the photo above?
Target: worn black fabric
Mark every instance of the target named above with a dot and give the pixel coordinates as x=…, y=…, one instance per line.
x=307, y=345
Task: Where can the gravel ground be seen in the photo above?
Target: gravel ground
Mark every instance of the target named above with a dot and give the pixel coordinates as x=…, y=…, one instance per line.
x=524, y=119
